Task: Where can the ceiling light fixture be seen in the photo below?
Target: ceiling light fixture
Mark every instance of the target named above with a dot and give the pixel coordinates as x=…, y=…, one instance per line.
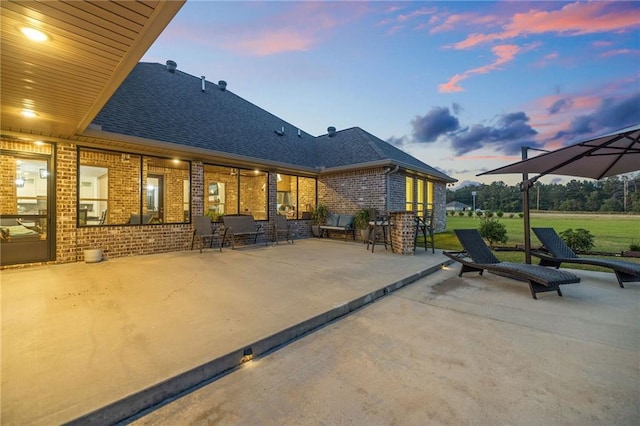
x=29, y=113
x=34, y=35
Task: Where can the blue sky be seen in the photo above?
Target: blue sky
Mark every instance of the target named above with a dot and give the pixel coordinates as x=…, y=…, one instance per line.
x=459, y=85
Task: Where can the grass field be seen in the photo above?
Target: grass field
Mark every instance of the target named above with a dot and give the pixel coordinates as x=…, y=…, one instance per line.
x=612, y=233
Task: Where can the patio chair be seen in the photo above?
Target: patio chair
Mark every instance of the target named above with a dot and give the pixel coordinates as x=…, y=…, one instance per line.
x=379, y=222
x=424, y=227
x=202, y=231
x=540, y=278
x=281, y=227
x=555, y=252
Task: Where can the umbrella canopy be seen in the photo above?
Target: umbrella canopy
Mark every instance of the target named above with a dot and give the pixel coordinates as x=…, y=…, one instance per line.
x=609, y=155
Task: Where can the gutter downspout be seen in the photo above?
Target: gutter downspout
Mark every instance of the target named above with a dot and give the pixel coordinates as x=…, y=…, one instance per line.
x=388, y=172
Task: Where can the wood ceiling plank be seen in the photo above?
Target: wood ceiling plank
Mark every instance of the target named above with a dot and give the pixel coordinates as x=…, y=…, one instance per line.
x=61, y=30
x=139, y=7
x=120, y=9
x=90, y=12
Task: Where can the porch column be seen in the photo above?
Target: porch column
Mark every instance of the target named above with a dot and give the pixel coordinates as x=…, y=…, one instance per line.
x=403, y=231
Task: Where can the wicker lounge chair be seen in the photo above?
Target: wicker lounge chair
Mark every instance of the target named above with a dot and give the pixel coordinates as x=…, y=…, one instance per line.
x=478, y=257
x=556, y=252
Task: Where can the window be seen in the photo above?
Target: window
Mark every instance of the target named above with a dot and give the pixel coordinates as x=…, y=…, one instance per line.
x=425, y=196
x=230, y=190
x=420, y=197
x=254, y=193
x=409, y=193
x=296, y=195
x=117, y=188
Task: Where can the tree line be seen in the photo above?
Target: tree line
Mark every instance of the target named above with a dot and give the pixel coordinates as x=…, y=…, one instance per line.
x=614, y=194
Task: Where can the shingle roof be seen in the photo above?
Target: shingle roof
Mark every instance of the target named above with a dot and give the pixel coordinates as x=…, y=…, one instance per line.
x=156, y=104
x=355, y=145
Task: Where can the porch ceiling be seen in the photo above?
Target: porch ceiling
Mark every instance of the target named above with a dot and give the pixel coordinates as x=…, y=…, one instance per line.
x=90, y=49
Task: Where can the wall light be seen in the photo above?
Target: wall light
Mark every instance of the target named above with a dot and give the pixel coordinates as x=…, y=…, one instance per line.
x=34, y=35
x=20, y=182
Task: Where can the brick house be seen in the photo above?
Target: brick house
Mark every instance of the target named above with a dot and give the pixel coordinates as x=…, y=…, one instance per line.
x=158, y=146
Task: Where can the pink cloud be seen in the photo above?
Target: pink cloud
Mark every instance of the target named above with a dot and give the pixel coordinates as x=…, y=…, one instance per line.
x=276, y=42
x=299, y=28
x=571, y=19
x=454, y=21
x=620, y=52
x=504, y=53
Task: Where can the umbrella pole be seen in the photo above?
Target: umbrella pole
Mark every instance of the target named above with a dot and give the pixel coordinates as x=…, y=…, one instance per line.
x=527, y=235
x=524, y=187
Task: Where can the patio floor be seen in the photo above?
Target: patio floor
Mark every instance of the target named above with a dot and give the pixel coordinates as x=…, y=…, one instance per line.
x=119, y=335
x=103, y=340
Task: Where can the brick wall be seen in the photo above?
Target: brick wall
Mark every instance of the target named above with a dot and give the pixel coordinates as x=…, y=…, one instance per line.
x=66, y=199
x=349, y=192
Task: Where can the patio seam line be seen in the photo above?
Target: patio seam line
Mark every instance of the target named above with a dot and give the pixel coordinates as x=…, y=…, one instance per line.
x=127, y=408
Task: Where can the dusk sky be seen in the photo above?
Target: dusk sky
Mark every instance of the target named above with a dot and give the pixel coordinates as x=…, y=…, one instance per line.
x=459, y=85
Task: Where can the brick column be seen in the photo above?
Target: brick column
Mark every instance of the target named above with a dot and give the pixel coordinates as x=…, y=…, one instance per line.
x=403, y=231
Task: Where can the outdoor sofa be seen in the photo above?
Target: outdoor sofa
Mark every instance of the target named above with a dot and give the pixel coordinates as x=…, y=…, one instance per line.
x=554, y=252
x=340, y=223
x=477, y=257
x=240, y=226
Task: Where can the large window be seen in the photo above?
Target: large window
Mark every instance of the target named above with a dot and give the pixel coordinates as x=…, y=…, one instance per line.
x=118, y=188
x=409, y=193
x=230, y=190
x=296, y=196
x=424, y=199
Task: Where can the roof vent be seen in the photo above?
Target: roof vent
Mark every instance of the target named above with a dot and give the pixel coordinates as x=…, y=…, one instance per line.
x=331, y=131
x=280, y=132
x=171, y=66
x=203, y=80
x=223, y=85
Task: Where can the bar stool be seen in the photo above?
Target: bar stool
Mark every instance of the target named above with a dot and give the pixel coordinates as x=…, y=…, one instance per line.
x=377, y=222
x=424, y=226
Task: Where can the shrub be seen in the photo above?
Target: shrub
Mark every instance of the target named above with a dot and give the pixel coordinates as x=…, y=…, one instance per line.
x=520, y=215
x=470, y=213
x=500, y=213
x=460, y=214
x=634, y=247
x=578, y=240
x=489, y=214
x=511, y=215
x=493, y=230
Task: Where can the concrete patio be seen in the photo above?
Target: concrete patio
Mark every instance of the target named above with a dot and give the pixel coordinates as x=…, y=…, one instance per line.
x=98, y=342
x=120, y=335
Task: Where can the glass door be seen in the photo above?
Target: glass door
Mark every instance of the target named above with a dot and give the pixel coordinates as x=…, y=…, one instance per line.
x=25, y=210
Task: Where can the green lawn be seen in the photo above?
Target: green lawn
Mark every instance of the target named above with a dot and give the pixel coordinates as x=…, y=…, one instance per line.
x=612, y=233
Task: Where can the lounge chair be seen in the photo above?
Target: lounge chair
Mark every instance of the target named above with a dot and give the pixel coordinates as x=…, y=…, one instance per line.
x=555, y=252
x=477, y=257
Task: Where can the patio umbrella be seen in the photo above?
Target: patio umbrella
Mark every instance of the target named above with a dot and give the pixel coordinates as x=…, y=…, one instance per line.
x=609, y=155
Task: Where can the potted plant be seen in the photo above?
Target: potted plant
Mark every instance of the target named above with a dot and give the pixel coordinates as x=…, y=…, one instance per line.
x=361, y=222
x=318, y=216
